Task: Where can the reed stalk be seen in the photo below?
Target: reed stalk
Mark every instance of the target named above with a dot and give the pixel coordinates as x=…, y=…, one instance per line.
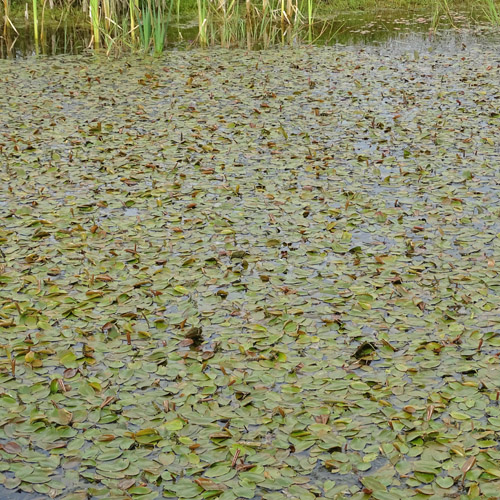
x=248, y=20
x=310, y=20
x=159, y=30
x=264, y=23
x=6, y=11
x=146, y=26
x=202, y=22
x=94, y=20
x=492, y=12
x=178, y=12
x=222, y=7
x=6, y=18
x=35, y=22
x=106, y=7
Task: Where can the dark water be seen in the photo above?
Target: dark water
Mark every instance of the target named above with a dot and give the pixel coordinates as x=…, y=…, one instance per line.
x=6, y=494
x=342, y=28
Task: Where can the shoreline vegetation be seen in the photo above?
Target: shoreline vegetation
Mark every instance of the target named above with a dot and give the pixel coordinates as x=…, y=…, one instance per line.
x=149, y=25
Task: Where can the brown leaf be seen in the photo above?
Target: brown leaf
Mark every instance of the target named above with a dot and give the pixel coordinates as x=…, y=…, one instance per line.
x=106, y=437
x=70, y=372
x=468, y=464
x=12, y=448
x=322, y=419
x=107, y=401
x=103, y=277
x=125, y=484
x=209, y=485
x=55, y=445
x=430, y=411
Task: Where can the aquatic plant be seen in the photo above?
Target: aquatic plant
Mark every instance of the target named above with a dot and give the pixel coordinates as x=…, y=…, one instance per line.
x=304, y=240
x=229, y=23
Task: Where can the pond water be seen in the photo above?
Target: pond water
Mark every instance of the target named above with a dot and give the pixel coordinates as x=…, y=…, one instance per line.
x=259, y=273
x=13, y=494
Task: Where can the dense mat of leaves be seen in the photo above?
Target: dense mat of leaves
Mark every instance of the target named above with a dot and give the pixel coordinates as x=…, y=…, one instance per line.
x=269, y=275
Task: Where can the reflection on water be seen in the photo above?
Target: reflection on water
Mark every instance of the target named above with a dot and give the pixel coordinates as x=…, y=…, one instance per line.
x=342, y=28
x=64, y=39
x=6, y=494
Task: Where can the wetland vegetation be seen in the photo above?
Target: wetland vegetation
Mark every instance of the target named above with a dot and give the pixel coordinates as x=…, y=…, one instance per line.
x=151, y=26
x=250, y=274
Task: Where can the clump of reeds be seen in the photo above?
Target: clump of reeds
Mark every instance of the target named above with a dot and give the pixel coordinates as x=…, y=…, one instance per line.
x=153, y=25
x=143, y=24
x=7, y=22
x=252, y=22
x=94, y=21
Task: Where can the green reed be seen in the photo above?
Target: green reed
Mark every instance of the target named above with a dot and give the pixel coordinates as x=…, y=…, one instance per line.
x=203, y=9
x=35, y=21
x=254, y=23
x=492, y=12
x=133, y=10
x=154, y=21
x=143, y=24
x=94, y=21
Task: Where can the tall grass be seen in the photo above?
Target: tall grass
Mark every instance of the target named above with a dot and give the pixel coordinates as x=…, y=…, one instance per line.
x=7, y=24
x=203, y=6
x=94, y=21
x=35, y=21
x=133, y=10
x=143, y=24
x=492, y=12
x=154, y=20
x=252, y=22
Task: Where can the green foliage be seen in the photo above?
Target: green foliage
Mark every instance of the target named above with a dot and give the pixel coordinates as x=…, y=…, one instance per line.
x=94, y=14
x=145, y=24
x=492, y=11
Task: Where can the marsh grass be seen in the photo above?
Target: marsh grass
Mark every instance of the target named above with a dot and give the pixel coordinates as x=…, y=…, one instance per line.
x=492, y=12
x=252, y=23
x=441, y=8
x=133, y=10
x=154, y=19
x=144, y=24
x=35, y=21
x=94, y=21
x=202, y=22
x=7, y=21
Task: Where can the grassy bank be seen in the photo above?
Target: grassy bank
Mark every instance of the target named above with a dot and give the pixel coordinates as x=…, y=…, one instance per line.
x=144, y=24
